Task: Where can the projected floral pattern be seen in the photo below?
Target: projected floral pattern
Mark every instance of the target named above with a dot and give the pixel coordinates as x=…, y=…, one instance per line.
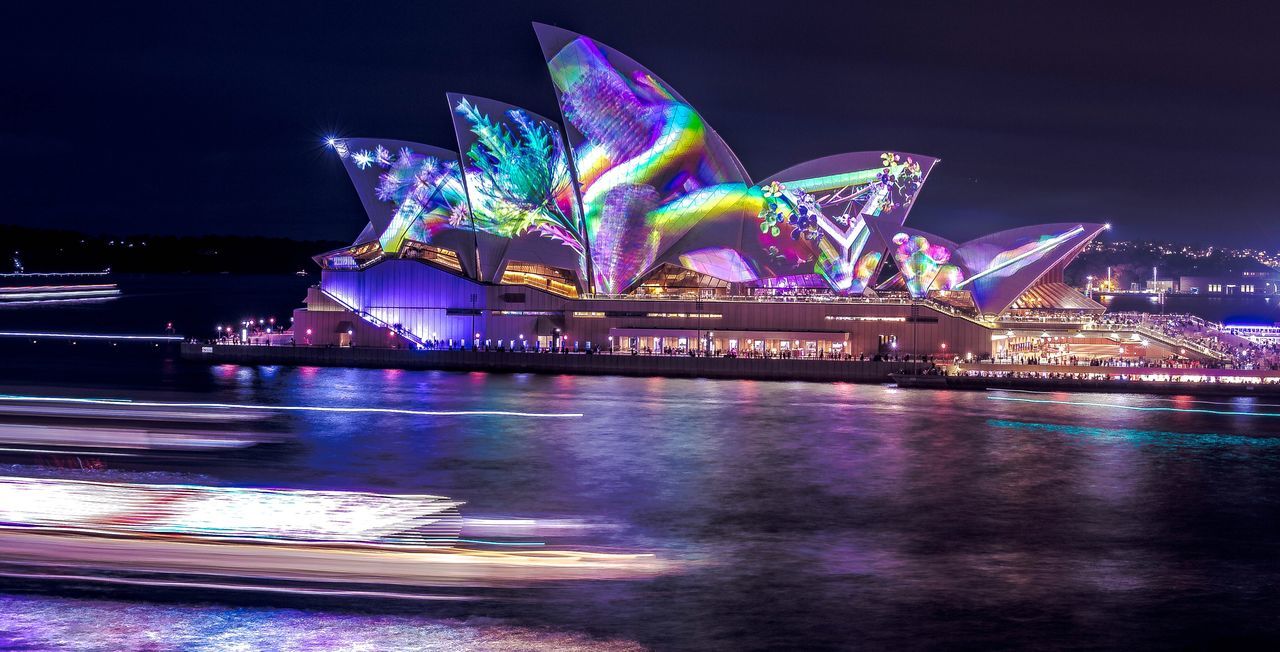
x=519, y=177
x=820, y=222
x=426, y=190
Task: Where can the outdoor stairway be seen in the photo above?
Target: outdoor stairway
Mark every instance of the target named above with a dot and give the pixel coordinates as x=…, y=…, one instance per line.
x=402, y=332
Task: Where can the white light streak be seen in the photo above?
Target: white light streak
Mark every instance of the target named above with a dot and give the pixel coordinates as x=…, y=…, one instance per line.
x=93, y=336
x=294, y=408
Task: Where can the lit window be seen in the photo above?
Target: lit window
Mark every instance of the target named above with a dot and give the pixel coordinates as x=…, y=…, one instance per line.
x=684, y=315
x=860, y=318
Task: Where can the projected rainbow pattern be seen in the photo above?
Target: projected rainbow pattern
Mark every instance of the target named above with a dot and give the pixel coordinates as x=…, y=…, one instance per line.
x=924, y=266
x=230, y=513
x=1010, y=261
x=648, y=165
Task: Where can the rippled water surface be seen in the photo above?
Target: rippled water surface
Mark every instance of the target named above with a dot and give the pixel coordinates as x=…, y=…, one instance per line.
x=803, y=515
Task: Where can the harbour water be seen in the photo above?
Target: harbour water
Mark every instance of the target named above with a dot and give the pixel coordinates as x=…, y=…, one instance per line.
x=803, y=515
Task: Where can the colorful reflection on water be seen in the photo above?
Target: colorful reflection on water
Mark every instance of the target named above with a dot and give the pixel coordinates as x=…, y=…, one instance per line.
x=816, y=514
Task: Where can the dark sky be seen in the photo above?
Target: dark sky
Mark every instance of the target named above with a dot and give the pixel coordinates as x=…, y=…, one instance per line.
x=208, y=119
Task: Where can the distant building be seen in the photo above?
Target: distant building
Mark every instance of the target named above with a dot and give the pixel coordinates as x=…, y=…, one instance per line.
x=1247, y=277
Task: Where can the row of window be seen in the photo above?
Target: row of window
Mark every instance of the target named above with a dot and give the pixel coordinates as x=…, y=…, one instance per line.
x=595, y=314
x=860, y=318
x=1247, y=288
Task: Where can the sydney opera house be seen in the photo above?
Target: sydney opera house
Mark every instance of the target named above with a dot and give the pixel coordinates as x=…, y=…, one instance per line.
x=633, y=226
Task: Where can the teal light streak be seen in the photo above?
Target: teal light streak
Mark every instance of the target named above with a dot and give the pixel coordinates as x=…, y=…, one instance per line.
x=835, y=180
x=1145, y=437
x=1138, y=408
x=1159, y=398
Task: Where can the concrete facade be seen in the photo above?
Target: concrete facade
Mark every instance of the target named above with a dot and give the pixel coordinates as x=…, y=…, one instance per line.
x=554, y=363
x=373, y=305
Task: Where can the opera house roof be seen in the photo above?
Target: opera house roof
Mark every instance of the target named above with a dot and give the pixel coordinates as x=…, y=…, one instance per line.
x=633, y=180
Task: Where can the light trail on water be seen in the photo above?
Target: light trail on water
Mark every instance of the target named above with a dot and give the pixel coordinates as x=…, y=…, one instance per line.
x=93, y=336
x=295, y=408
x=1136, y=408
x=1165, y=439
x=1155, y=398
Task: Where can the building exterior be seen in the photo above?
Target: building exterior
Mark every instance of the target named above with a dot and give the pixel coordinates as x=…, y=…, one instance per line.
x=631, y=225
x=1246, y=277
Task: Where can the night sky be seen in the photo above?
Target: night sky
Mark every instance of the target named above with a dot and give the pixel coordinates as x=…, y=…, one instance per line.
x=187, y=120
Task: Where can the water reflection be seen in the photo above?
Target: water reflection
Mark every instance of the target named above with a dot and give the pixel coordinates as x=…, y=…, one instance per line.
x=820, y=514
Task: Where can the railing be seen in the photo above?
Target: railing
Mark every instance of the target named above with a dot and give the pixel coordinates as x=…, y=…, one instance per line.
x=1156, y=334
x=1180, y=342
x=877, y=300
x=401, y=331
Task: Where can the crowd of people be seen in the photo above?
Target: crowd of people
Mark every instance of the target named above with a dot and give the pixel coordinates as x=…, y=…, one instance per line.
x=1242, y=352
x=1188, y=331
x=1173, y=375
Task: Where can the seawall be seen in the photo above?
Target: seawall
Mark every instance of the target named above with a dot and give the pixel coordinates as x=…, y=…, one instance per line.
x=550, y=363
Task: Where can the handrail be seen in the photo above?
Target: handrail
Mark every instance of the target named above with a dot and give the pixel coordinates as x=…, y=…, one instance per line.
x=1181, y=342
x=402, y=332
x=815, y=299
x=1155, y=333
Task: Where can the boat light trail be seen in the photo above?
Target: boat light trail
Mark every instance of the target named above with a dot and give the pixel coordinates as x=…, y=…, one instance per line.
x=501, y=543
x=295, y=408
x=228, y=586
x=1136, y=408
x=24, y=302
x=94, y=336
x=1157, y=398
x=229, y=513
x=46, y=274
x=54, y=451
x=1143, y=437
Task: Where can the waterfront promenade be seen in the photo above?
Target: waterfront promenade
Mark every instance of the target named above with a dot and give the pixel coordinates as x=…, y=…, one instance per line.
x=620, y=364
x=1138, y=379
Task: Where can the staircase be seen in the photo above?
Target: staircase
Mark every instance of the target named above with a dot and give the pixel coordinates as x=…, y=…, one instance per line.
x=402, y=332
x=1159, y=336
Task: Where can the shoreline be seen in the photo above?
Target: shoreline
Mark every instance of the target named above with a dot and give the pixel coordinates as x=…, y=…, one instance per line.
x=611, y=364
x=796, y=370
